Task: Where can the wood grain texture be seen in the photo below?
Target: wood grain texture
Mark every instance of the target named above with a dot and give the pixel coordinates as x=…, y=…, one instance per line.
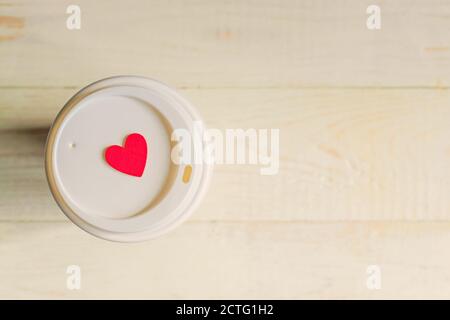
x=249, y=43
x=354, y=154
x=230, y=260
x=363, y=117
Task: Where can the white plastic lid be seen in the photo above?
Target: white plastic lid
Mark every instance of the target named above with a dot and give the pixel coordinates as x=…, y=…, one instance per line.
x=99, y=196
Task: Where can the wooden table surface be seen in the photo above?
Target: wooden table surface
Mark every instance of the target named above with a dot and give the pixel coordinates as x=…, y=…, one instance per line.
x=364, y=119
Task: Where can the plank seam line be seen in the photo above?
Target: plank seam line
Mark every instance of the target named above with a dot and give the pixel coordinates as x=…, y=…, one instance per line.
x=251, y=87
x=317, y=222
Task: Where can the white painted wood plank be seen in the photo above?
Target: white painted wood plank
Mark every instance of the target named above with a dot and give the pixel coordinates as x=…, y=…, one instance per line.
x=344, y=155
x=230, y=260
x=264, y=43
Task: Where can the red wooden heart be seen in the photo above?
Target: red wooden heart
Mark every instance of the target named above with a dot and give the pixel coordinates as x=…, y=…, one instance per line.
x=131, y=158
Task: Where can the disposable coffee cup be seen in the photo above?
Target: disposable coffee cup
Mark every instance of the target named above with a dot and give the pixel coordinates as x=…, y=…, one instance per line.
x=109, y=159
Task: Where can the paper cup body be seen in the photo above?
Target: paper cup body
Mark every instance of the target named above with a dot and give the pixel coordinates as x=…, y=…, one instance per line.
x=100, y=198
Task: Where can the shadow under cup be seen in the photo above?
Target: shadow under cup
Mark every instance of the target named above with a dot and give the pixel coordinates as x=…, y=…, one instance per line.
x=98, y=197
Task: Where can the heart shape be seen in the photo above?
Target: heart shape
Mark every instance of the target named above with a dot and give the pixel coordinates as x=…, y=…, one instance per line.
x=131, y=158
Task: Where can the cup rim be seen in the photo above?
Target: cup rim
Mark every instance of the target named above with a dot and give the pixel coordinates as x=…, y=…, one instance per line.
x=98, y=228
